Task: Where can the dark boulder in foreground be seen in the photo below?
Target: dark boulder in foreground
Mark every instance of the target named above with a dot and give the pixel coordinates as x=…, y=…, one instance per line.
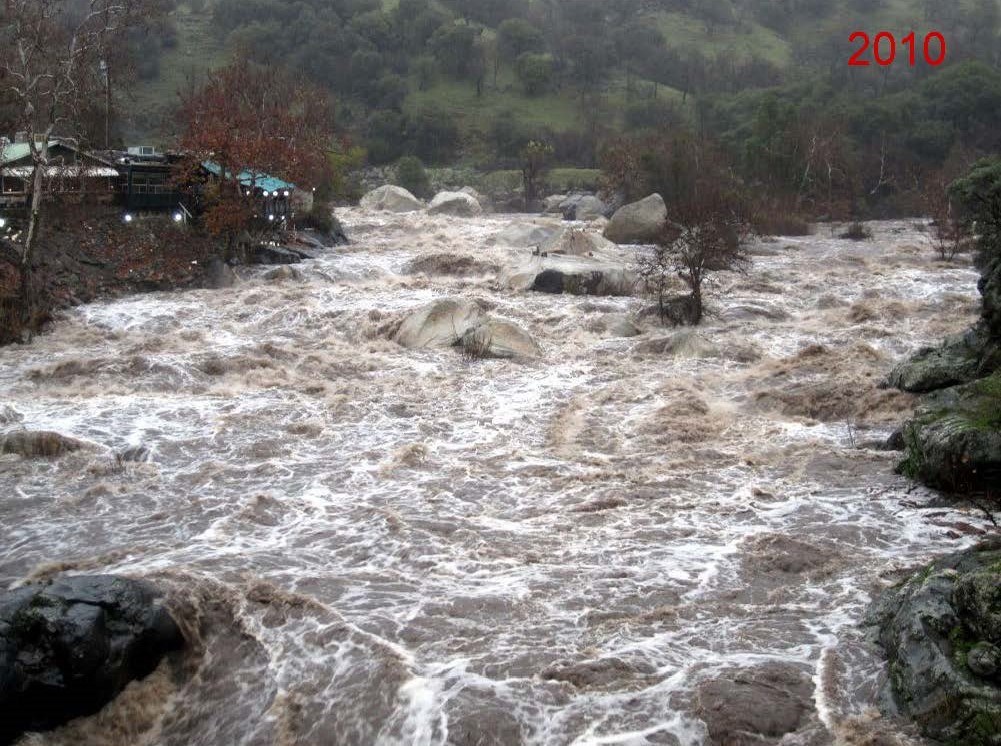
x=941, y=630
x=67, y=648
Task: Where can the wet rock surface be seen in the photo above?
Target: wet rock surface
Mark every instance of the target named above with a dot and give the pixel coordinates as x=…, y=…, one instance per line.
x=442, y=324
x=500, y=339
x=39, y=444
x=940, y=630
x=391, y=198
x=68, y=647
x=757, y=705
x=461, y=204
x=953, y=442
x=638, y=222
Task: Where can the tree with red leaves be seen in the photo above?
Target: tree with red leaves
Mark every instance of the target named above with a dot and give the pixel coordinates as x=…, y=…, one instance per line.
x=255, y=119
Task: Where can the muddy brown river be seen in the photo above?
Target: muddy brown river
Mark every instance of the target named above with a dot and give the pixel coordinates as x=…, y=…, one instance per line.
x=662, y=539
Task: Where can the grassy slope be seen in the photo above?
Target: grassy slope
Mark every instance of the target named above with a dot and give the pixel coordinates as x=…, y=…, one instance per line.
x=197, y=50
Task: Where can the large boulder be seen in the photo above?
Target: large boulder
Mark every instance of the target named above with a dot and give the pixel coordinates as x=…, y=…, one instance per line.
x=527, y=235
x=953, y=442
x=441, y=324
x=554, y=203
x=577, y=242
x=501, y=339
x=455, y=203
x=571, y=275
x=67, y=648
x=639, y=222
x=940, y=630
x=583, y=207
x=391, y=198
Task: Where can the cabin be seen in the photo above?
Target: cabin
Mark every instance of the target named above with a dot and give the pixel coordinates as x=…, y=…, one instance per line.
x=71, y=173
x=146, y=181
x=276, y=199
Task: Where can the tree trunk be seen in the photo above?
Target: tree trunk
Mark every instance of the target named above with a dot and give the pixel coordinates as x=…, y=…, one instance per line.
x=27, y=299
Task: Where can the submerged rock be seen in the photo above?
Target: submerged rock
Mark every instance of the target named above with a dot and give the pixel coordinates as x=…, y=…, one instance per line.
x=639, y=222
x=577, y=242
x=39, y=444
x=940, y=630
x=756, y=705
x=455, y=203
x=441, y=324
x=276, y=255
x=499, y=339
x=457, y=265
x=391, y=198
x=68, y=648
x=219, y=275
x=527, y=235
x=953, y=442
x=571, y=275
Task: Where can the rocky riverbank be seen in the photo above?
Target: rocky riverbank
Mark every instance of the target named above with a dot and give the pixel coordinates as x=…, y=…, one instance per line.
x=941, y=630
x=953, y=443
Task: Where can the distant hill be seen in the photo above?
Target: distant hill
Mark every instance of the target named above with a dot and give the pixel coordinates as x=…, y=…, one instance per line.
x=473, y=79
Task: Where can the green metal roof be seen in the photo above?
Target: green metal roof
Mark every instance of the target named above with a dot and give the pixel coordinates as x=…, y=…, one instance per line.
x=251, y=178
x=15, y=151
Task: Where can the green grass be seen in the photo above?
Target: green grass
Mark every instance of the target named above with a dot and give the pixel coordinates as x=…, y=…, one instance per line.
x=197, y=51
x=683, y=31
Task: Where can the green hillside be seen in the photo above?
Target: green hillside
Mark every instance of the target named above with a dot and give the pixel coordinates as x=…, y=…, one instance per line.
x=471, y=79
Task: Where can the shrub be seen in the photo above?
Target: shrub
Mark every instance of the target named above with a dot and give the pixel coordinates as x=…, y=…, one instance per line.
x=410, y=175
x=857, y=231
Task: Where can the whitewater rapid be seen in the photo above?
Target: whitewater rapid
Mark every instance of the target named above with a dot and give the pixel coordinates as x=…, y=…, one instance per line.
x=374, y=545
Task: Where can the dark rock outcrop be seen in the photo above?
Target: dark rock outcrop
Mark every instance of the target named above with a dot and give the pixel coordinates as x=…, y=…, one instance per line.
x=276, y=255
x=961, y=359
x=67, y=648
x=941, y=630
x=953, y=443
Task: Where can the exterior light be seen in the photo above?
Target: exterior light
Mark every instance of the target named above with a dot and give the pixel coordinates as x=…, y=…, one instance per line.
x=3, y=222
x=271, y=218
x=128, y=217
x=178, y=217
x=286, y=192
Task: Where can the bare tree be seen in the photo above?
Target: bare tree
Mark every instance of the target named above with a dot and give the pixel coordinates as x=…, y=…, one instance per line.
x=50, y=71
x=949, y=233
x=709, y=239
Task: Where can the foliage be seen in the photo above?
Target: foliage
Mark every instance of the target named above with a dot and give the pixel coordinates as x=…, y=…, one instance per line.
x=535, y=71
x=709, y=239
x=256, y=119
x=979, y=195
x=410, y=175
x=534, y=159
x=856, y=231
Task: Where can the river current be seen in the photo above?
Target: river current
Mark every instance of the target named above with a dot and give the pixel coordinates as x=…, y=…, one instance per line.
x=372, y=545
